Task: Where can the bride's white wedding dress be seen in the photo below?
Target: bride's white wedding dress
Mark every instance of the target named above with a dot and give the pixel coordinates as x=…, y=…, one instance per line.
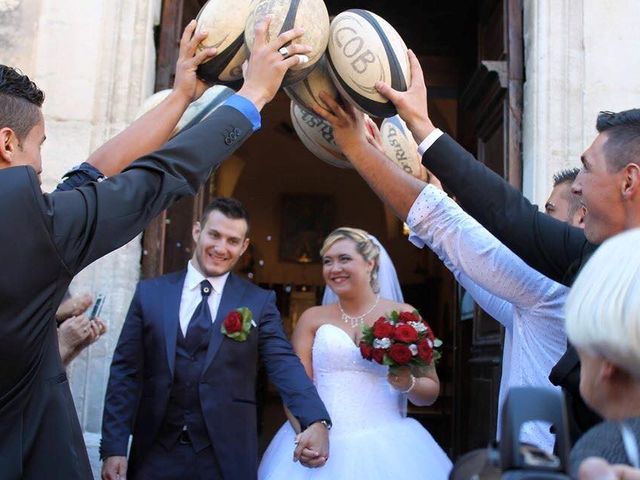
x=370, y=438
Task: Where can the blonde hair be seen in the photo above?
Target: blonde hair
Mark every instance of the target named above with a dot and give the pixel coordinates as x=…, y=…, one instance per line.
x=603, y=307
x=365, y=246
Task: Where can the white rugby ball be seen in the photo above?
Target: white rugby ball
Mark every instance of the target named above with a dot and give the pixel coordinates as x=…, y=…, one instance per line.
x=197, y=111
x=287, y=14
x=363, y=49
x=399, y=145
x=225, y=27
x=317, y=135
x=307, y=92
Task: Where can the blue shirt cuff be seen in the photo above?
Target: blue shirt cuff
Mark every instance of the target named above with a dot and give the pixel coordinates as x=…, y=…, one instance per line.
x=247, y=108
x=79, y=176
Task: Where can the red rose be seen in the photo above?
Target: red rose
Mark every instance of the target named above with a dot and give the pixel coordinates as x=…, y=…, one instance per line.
x=408, y=317
x=406, y=333
x=366, y=350
x=425, y=352
x=400, y=354
x=383, y=329
x=233, y=322
x=378, y=355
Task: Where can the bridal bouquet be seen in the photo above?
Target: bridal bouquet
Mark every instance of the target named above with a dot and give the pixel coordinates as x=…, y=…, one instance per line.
x=400, y=339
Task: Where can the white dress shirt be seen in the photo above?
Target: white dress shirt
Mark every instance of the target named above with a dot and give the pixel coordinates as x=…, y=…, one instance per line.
x=192, y=296
x=430, y=140
x=528, y=304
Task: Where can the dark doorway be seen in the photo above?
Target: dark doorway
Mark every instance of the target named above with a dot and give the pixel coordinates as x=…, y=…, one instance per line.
x=471, y=52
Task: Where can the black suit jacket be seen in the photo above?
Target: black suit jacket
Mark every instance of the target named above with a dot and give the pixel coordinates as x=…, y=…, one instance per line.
x=143, y=365
x=554, y=248
x=44, y=241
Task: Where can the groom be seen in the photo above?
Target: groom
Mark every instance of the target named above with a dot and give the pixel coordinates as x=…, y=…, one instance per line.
x=184, y=387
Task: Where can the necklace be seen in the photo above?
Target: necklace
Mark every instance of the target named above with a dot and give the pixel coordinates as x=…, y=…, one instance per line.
x=359, y=320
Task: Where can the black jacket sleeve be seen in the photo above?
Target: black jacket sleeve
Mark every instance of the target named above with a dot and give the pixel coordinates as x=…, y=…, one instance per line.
x=90, y=221
x=550, y=246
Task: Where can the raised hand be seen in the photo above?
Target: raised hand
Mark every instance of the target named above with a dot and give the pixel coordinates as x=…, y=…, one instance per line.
x=373, y=134
x=186, y=82
x=349, y=128
x=312, y=446
x=412, y=104
x=267, y=66
x=114, y=468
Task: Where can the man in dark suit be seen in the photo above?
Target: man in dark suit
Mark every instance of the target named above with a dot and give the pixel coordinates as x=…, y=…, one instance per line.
x=187, y=391
x=608, y=184
x=46, y=239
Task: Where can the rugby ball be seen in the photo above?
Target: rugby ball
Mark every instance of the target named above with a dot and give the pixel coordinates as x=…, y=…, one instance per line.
x=287, y=14
x=399, y=145
x=364, y=49
x=306, y=93
x=317, y=135
x=226, y=33
x=197, y=111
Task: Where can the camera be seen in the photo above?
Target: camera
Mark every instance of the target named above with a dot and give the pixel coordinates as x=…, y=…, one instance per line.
x=511, y=459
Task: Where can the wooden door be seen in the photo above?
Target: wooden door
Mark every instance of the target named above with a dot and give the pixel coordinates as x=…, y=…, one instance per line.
x=167, y=240
x=490, y=124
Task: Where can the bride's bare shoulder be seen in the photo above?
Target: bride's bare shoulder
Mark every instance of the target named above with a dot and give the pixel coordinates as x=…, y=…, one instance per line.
x=313, y=317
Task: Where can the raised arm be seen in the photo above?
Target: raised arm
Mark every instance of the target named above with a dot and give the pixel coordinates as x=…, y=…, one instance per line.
x=90, y=221
x=468, y=248
x=153, y=129
x=463, y=244
x=546, y=244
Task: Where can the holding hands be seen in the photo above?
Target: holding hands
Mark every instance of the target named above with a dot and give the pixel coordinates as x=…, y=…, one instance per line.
x=312, y=446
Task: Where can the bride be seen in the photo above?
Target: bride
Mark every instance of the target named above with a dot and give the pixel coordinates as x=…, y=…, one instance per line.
x=371, y=436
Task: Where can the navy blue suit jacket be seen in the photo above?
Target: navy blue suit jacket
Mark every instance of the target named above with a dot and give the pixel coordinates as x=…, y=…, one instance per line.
x=143, y=366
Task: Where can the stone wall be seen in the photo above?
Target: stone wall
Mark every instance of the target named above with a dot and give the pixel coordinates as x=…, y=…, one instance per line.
x=580, y=58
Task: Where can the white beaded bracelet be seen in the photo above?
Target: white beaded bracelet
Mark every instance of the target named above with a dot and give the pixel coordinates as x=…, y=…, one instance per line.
x=411, y=387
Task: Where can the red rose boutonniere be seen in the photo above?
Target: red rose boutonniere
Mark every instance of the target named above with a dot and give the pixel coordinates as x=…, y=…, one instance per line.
x=238, y=323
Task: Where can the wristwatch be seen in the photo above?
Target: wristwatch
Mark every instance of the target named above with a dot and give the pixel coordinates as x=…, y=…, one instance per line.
x=323, y=422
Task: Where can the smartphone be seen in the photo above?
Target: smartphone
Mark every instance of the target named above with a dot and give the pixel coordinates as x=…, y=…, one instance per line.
x=97, y=306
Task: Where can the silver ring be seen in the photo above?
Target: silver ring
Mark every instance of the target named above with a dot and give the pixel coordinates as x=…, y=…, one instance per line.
x=284, y=51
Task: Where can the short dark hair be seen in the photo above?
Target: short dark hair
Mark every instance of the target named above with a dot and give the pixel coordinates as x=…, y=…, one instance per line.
x=623, y=137
x=228, y=206
x=565, y=176
x=20, y=102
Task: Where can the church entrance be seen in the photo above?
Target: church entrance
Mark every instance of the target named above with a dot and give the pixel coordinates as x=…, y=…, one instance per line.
x=471, y=52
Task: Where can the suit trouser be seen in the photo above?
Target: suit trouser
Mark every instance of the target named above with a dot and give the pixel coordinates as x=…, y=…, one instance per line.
x=179, y=463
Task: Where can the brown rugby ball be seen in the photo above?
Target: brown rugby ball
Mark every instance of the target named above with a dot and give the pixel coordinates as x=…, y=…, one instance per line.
x=287, y=14
x=226, y=33
x=363, y=49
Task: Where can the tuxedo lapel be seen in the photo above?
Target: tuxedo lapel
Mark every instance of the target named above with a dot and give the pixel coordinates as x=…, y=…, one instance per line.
x=231, y=298
x=171, y=314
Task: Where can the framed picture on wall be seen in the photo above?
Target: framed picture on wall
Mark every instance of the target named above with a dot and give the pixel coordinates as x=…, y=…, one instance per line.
x=306, y=221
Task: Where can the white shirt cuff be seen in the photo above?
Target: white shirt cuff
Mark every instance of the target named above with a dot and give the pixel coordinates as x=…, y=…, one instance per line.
x=430, y=140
